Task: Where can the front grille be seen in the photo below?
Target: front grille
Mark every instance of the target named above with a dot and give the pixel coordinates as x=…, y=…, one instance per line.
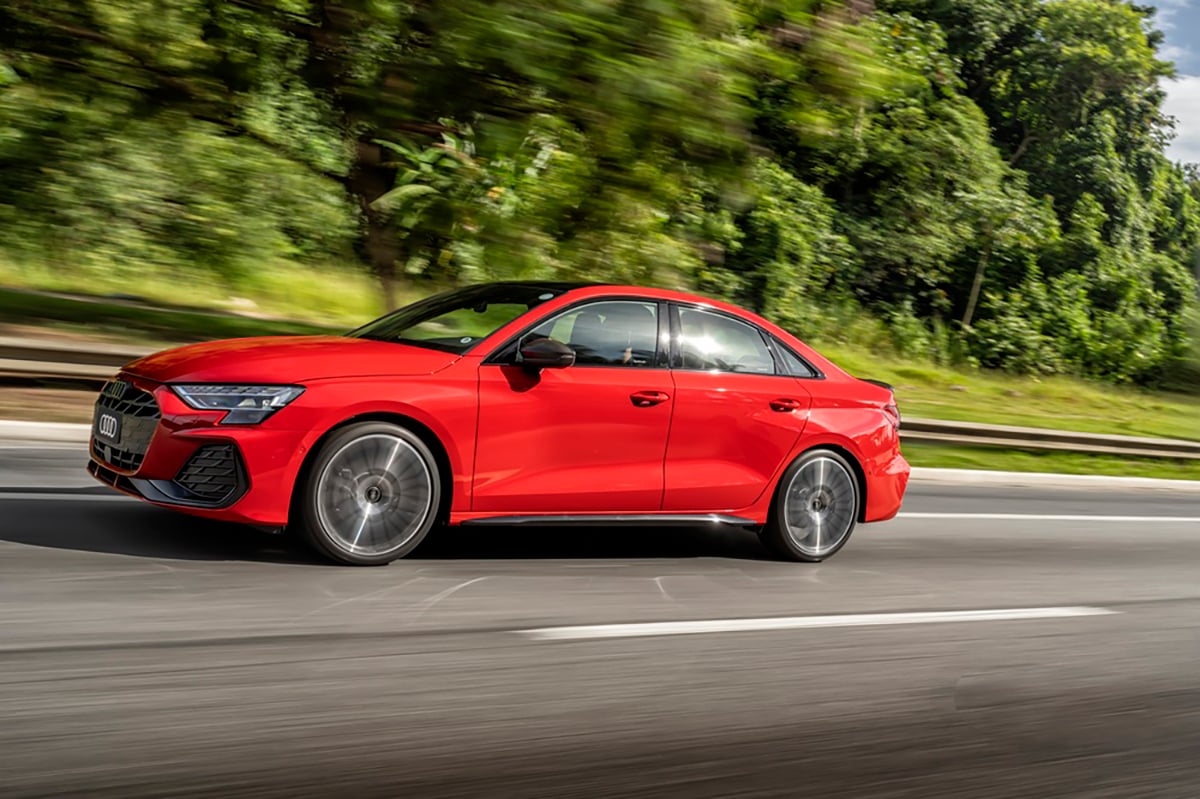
x=211, y=475
x=139, y=417
x=128, y=400
x=122, y=459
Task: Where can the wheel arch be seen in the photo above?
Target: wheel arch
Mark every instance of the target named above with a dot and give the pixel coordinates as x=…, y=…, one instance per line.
x=416, y=427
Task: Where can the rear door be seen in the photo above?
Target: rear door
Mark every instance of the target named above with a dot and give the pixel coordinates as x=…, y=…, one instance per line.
x=589, y=438
x=737, y=414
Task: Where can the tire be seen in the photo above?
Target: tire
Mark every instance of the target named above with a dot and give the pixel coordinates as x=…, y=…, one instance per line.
x=371, y=496
x=815, y=508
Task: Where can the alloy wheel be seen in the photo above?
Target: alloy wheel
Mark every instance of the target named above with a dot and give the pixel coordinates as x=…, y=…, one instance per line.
x=374, y=495
x=820, y=506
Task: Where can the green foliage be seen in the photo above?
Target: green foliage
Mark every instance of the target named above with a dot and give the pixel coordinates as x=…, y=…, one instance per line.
x=912, y=338
x=784, y=252
x=1071, y=96
x=966, y=181
x=105, y=172
x=1011, y=336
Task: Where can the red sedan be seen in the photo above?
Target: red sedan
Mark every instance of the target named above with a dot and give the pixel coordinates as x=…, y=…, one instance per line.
x=510, y=403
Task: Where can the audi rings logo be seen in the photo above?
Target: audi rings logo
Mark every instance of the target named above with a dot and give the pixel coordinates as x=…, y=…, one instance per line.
x=107, y=426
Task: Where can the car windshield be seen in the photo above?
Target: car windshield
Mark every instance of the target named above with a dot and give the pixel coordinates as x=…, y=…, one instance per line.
x=456, y=320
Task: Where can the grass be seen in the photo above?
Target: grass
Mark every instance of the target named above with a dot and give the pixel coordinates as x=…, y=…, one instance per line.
x=935, y=392
x=137, y=322
x=1008, y=460
x=334, y=296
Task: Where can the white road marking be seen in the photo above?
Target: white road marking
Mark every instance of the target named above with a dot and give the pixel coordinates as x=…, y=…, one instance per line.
x=46, y=446
x=32, y=496
x=1049, y=517
x=645, y=629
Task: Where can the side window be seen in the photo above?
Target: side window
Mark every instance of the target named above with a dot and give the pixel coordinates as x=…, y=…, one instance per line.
x=613, y=333
x=711, y=341
x=794, y=363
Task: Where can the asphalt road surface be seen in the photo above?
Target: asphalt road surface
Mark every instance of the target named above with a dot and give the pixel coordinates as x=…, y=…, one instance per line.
x=147, y=654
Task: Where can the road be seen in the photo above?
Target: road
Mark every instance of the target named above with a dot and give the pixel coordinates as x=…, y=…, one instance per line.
x=146, y=654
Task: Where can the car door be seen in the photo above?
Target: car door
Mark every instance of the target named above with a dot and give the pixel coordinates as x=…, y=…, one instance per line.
x=589, y=438
x=736, y=414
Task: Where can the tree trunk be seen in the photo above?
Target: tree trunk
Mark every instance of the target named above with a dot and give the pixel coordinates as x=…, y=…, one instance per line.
x=383, y=252
x=977, y=286
x=1021, y=150
x=388, y=280
x=368, y=181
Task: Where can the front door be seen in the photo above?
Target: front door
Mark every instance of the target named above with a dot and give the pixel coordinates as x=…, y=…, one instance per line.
x=589, y=438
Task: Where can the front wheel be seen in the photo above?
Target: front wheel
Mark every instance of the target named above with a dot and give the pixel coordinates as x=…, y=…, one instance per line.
x=371, y=496
x=815, y=508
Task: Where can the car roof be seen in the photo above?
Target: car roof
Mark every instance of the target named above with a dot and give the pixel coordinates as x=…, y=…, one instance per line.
x=616, y=289
x=560, y=285
x=596, y=289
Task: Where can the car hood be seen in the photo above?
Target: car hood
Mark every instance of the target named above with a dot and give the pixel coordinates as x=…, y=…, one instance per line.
x=287, y=359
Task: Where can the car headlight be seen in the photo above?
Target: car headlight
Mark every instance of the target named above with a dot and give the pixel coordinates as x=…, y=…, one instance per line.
x=246, y=404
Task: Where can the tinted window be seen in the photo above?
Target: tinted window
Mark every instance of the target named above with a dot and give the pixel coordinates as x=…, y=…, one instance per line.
x=711, y=341
x=456, y=320
x=614, y=333
x=794, y=363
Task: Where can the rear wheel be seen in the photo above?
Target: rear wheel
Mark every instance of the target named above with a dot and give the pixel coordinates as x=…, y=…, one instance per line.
x=371, y=496
x=815, y=508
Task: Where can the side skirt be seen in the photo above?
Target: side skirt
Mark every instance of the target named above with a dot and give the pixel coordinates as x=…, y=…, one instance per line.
x=606, y=520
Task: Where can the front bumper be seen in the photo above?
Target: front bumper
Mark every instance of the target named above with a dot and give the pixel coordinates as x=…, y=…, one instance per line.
x=177, y=457
x=213, y=478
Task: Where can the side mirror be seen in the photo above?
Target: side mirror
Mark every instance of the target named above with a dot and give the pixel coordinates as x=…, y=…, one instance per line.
x=544, y=353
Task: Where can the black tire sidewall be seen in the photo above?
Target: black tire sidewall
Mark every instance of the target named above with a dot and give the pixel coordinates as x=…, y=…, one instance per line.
x=314, y=531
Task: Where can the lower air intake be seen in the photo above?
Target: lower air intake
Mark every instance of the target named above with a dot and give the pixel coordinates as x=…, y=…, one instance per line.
x=211, y=475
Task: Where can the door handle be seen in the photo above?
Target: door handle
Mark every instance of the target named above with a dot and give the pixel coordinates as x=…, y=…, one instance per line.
x=785, y=405
x=646, y=399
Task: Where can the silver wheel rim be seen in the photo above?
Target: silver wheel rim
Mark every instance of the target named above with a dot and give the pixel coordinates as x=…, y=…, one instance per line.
x=374, y=495
x=819, y=506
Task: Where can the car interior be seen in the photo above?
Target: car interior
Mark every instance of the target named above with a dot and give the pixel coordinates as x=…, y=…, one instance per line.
x=615, y=334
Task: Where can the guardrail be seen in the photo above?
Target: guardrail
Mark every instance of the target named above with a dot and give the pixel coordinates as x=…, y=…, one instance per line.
x=1036, y=438
x=20, y=357
x=93, y=364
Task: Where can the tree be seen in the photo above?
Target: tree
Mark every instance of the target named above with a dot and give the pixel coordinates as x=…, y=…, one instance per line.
x=1071, y=92
x=998, y=163
x=369, y=72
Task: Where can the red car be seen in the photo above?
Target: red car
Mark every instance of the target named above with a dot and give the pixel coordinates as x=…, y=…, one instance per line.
x=510, y=403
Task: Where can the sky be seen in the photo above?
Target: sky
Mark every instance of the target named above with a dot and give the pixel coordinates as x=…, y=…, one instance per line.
x=1180, y=21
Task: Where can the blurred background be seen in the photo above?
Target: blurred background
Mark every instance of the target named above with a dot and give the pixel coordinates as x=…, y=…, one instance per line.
x=987, y=203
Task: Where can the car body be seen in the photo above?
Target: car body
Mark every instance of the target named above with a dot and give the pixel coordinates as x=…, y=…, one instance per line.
x=517, y=403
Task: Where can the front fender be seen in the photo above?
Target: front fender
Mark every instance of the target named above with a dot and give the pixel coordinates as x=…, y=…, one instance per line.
x=448, y=409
